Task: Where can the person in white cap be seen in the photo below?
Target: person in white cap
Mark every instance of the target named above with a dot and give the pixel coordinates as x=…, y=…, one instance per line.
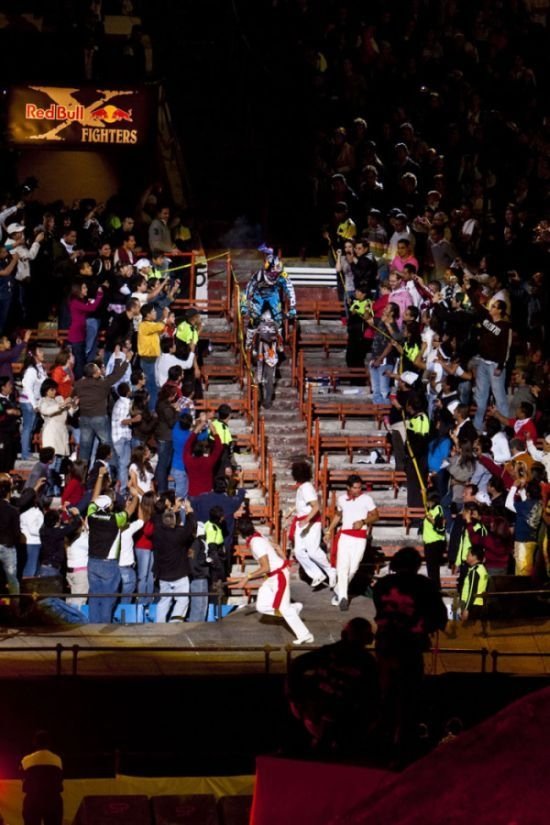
x=25, y=254
x=274, y=593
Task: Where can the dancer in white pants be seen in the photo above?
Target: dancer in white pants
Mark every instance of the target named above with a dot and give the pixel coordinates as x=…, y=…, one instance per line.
x=356, y=511
x=305, y=528
x=274, y=594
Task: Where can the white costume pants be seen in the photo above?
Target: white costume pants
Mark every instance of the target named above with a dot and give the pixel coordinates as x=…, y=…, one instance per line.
x=266, y=597
x=350, y=553
x=307, y=550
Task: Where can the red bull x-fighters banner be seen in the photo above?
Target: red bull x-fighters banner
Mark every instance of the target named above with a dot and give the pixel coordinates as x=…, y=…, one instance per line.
x=52, y=116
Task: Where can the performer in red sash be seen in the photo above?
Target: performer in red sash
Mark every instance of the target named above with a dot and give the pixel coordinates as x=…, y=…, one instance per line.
x=274, y=594
x=356, y=511
x=305, y=528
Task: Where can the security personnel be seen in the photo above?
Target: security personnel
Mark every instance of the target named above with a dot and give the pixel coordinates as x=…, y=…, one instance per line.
x=358, y=345
x=433, y=536
x=187, y=339
x=42, y=784
x=472, y=524
x=214, y=538
x=475, y=585
x=417, y=429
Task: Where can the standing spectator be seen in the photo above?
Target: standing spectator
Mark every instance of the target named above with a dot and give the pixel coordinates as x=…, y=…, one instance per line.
x=384, y=354
x=201, y=458
x=25, y=254
x=433, y=536
x=34, y=374
x=8, y=264
x=54, y=410
x=171, y=544
x=9, y=354
x=31, y=520
x=121, y=433
x=75, y=484
x=104, y=525
x=80, y=308
x=200, y=573
x=77, y=567
x=143, y=547
x=148, y=344
x=356, y=511
x=140, y=471
x=167, y=414
x=127, y=561
x=9, y=537
x=93, y=392
x=10, y=415
x=490, y=364
x=440, y=251
x=63, y=373
x=160, y=235
x=53, y=535
x=42, y=784
x=125, y=254
x=180, y=433
x=121, y=328
x=364, y=267
x=524, y=499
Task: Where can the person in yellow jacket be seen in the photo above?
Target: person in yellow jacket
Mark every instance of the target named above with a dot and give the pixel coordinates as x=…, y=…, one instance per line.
x=187, y=340
x=214, y=537
x=475, y=585
x=148, y=345
x=433, y=535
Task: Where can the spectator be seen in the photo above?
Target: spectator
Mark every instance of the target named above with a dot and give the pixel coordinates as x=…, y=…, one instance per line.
x=92, y=392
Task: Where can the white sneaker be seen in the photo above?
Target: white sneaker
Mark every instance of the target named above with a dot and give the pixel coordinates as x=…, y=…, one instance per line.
x=335, y=601
x=332, y=578
x=317, y=581
x=298, y=607
x=305, y=640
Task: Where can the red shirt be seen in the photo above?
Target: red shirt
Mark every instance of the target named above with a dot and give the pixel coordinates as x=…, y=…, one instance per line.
x=200, y=469
x=64, y=381
x=144, y=537
x=523, y=427
x=73, y=493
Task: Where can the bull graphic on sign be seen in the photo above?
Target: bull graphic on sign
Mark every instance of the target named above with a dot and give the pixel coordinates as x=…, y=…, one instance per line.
x=96, y=111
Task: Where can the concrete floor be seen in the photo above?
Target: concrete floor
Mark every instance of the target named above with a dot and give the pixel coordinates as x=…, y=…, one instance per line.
x=245, y=627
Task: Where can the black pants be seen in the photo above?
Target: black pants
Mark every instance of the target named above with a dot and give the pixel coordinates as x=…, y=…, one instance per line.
x=414, y=489
x=43, y=811
x=433, y=554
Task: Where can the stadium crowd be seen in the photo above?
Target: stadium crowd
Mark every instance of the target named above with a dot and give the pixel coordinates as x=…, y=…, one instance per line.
x=432, y=205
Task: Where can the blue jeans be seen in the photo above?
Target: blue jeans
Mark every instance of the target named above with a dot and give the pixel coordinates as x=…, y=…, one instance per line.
x=165, y=453
x=148, y=367
x=178, y=604
x=486, y=382
x=92, y=332
x=31, y=561
x=129, y=578
x=79, y=351
x=8, y=560
x=103, y=577
x=145, y=580
x=46, y=570
x=93, y=426
x=181, y=483
x=199, y=604
x=28, y=417
x=123, y=451
x=380, y=383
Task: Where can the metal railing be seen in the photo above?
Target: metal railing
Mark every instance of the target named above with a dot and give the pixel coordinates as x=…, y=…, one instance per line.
x=286, y=653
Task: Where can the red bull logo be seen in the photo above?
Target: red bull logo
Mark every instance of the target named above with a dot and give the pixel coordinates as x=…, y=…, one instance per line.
x=54, y=112
x=112, y=114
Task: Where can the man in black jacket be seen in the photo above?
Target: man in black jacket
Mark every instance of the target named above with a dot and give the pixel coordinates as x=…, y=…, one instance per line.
x=365, y=268
x=171, y=545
